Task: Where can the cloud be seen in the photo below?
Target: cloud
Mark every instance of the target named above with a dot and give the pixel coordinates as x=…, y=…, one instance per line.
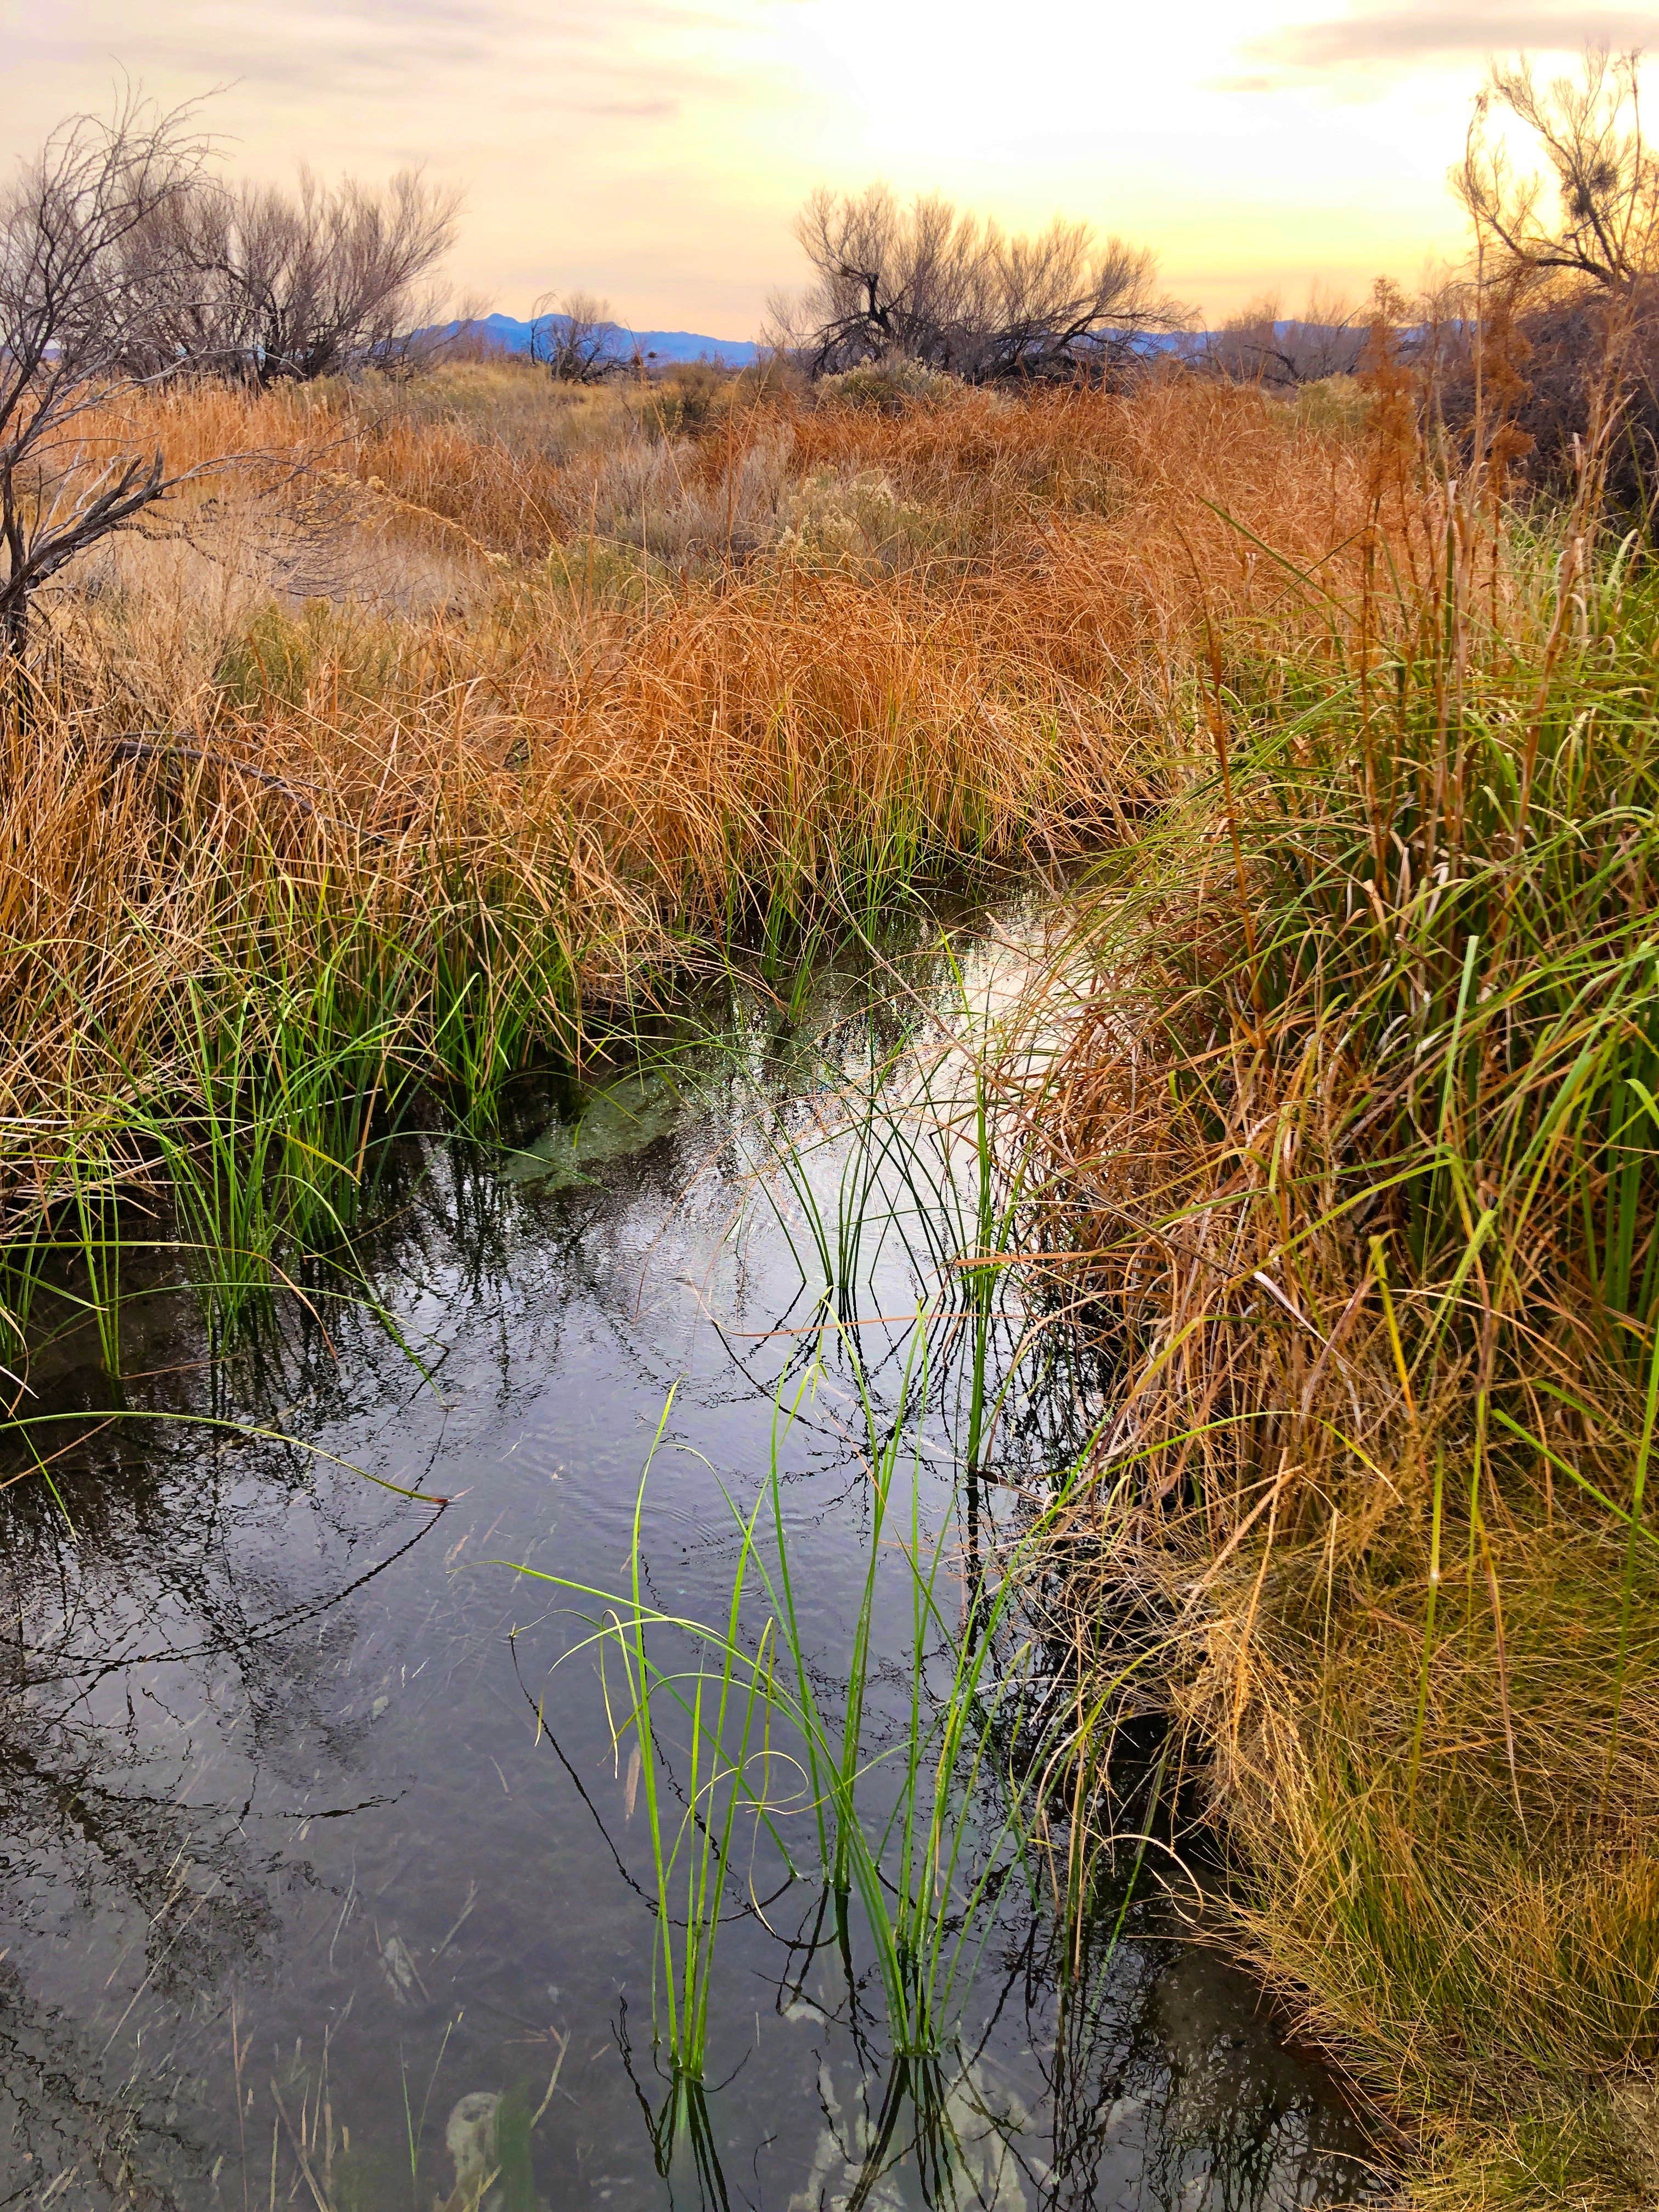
x=652, y=109
x=1399, y=37
x=377, y=47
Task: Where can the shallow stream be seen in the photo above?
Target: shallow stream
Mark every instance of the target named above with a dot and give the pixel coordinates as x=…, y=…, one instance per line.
x=318, y=1841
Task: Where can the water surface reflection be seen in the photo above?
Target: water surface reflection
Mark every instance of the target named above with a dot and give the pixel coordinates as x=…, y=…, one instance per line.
x=322, y=1877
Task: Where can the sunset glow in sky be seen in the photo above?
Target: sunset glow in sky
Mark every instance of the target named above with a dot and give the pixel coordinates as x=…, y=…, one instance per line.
x=654, y=151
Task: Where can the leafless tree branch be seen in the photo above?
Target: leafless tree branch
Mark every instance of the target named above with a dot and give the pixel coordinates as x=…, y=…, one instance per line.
x=934, y=284
x=577, y=338
x=1592, y=209
x=74, y=291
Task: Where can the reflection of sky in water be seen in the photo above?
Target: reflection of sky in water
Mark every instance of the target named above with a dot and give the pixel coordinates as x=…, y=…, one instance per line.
x=291, y=1870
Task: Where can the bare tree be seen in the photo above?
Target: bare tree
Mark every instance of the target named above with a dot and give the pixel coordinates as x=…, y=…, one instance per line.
x=177, y=323
x=73, y=298
x=1566, y=331
x=1261, y=346
x=934, y=284
x=331, y=279
x=293, y=286
x=577, y=338
x=1592, y=210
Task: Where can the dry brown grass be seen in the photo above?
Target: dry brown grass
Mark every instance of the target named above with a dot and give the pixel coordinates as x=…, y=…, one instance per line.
x=401, y=659
x=1358, y=1190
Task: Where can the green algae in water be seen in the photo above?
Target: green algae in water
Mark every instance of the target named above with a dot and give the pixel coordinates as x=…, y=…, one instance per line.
x=618, y=1122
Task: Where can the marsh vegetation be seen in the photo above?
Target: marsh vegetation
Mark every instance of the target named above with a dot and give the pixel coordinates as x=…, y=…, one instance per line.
x=1224, y=1377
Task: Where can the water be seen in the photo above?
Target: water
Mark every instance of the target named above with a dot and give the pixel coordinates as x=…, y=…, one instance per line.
x=317, y=1839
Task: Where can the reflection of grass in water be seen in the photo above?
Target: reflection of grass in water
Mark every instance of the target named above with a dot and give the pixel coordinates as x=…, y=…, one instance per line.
x=915, y=1841
x=926, y=1168
x=919, y=1825
x=486, y=2140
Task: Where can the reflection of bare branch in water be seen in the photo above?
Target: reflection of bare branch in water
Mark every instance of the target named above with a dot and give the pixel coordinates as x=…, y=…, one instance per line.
x=221, y=1583
x=176, y=1884
x=121, y=2141
x=154, y=1672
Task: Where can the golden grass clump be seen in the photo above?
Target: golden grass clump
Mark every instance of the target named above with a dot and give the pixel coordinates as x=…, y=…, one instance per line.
x=1356, y=1167
x=306, y=686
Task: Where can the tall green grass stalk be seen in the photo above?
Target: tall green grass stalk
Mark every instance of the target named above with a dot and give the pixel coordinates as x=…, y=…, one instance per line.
x=1359, y=1140
x=916, y=1842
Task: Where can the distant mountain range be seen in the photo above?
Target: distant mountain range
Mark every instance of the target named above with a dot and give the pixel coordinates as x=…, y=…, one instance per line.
x=513, y=336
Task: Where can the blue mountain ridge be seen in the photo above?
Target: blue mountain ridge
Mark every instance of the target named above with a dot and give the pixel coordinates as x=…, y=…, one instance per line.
x=513, y=336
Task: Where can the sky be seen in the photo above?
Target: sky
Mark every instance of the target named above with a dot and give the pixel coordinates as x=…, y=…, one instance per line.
x=655, y=151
